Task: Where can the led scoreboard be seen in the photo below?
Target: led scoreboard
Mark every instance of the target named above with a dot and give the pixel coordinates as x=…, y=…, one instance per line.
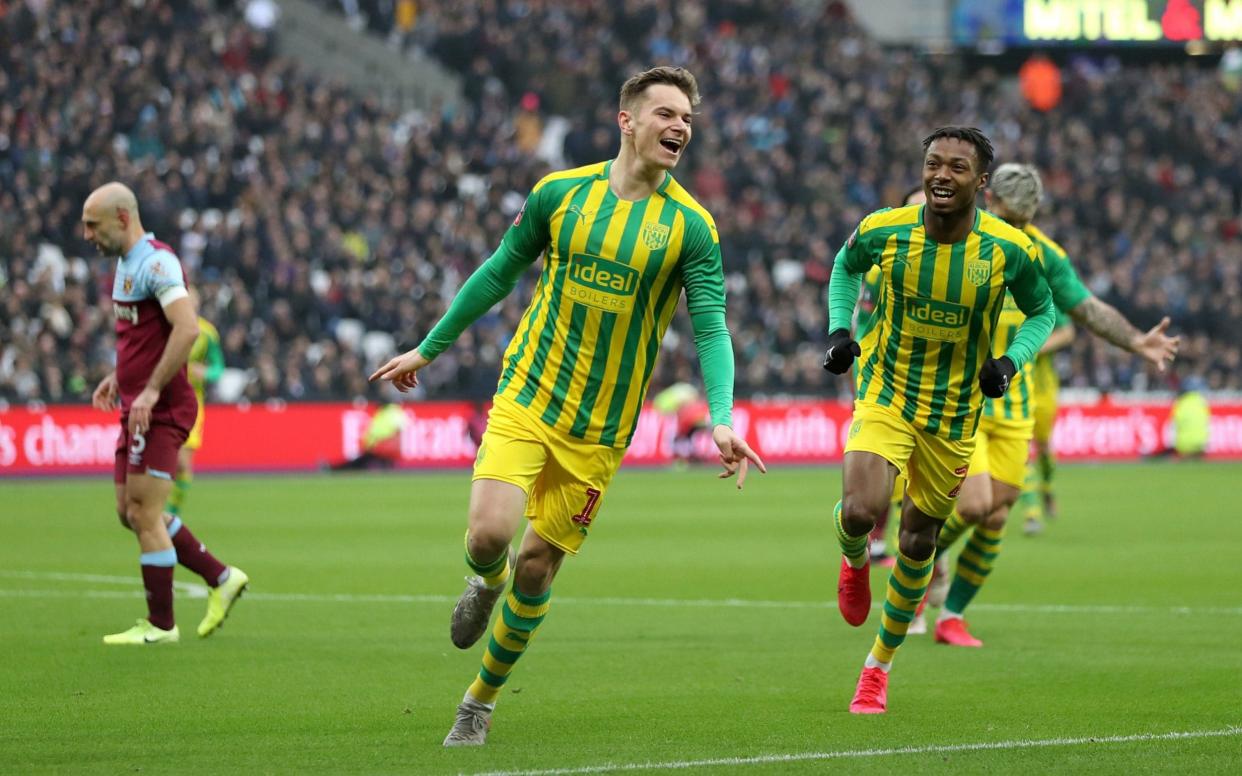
x=1096, y=22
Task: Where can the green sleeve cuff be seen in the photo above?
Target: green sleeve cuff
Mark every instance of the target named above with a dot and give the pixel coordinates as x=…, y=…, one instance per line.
x=715, y=346
x=1031, y=335
x=843, y=287
x=490, y=283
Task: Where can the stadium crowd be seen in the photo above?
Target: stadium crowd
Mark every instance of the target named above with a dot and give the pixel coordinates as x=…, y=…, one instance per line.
x=309, y=216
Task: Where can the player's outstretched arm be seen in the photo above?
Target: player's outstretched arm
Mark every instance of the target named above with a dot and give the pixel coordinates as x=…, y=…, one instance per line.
x=1105, y=321
x=735, y=454
x=487, y=285
x=402, y=370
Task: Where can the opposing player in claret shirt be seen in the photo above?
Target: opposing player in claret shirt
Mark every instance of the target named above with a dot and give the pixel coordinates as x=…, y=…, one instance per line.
x=156, y=324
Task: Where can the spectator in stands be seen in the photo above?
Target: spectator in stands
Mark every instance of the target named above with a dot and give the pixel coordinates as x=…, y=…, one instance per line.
x=241, y=156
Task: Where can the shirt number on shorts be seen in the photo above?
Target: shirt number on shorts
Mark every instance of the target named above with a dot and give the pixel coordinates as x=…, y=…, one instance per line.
x=136, y=448
x=584, y=518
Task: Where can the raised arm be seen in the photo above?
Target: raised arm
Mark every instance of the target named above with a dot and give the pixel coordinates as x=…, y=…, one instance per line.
x=1101, y=318
x=1106, y=321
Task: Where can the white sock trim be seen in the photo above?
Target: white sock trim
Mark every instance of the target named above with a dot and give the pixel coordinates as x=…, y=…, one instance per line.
x=472, y=699
x=871, y=662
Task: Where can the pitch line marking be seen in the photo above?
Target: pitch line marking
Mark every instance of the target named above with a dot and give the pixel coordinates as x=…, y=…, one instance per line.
x=981, y=746
x=199, y=591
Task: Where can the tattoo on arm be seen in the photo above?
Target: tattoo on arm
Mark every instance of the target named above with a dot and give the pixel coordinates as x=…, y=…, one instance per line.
x=1102, y=319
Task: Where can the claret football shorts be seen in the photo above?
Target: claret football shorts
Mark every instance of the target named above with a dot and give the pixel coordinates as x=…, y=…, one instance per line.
x=153, y=452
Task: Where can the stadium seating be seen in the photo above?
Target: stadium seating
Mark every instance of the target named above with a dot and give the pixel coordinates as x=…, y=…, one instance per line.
x=317, y=224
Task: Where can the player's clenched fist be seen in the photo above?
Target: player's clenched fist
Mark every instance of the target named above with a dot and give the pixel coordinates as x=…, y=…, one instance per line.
x=995, y=375
x=842, y=350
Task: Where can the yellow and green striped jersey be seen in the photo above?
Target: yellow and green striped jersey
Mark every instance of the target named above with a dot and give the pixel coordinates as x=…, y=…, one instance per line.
x=864, y=315
x=1045, y=377
x=206, y=351
x=582, y=355
x=1068, y=292
x=937, y=313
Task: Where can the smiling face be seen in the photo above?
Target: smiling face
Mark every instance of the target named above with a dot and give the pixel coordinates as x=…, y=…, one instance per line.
x=951, y=175
x=658, y=123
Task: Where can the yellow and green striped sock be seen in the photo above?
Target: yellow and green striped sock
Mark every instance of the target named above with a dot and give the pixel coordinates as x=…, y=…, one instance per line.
x=974, y=564
x=852, y=547
x=180, y=491
x=1047, y=468
x=1030, y=505
x=513, y=631
x=494, y=573
x=950, y=532
x=906, y=586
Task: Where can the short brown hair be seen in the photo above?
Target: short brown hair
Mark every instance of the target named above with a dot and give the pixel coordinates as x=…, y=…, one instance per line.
x=680, y=77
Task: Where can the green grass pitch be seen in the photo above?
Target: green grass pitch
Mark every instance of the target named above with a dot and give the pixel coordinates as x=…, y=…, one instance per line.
x=698, y=625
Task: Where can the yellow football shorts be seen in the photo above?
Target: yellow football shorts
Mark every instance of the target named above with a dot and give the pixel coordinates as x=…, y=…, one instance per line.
x=1045, y=400
x=1001, y=450
x=195, y=439
x=934, y=465
x=564, y=479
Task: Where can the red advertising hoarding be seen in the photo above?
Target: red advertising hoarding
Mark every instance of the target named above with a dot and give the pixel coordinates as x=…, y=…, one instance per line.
x=306, y=437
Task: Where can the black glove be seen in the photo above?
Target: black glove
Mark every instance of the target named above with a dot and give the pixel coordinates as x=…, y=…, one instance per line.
x=995, y=375
x=842, y=350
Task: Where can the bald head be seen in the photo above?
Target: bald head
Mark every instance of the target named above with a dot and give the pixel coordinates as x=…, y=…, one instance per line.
x=110, y=219
x=113, y=195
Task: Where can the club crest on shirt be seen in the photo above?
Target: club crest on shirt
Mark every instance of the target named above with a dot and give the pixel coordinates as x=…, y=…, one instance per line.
x=127, y=285
x=979, y=272
x=655, y=236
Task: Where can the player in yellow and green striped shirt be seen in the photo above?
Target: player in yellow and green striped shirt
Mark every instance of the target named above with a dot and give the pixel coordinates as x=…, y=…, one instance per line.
x=204, y=367
x=1042, y=500
x=620, y=241
x=946, y=266
x=998, y=466
x=864, y=326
